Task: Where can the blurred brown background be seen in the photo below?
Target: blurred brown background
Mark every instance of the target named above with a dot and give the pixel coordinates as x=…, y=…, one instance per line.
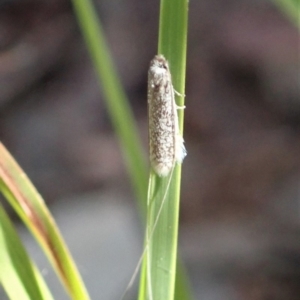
x=240, y=214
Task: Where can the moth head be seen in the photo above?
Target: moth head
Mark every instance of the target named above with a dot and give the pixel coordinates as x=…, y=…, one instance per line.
x=159, y=64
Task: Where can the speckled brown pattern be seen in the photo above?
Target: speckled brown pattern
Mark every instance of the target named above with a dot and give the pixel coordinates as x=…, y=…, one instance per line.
x=165, y=143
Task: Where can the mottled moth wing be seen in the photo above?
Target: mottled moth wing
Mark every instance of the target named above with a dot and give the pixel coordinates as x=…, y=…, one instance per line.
x=165, y=143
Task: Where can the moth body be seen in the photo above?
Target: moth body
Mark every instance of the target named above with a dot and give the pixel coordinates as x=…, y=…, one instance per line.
x=165, y=142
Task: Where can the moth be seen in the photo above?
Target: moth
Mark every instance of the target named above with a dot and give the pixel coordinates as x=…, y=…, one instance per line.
x=166, y=145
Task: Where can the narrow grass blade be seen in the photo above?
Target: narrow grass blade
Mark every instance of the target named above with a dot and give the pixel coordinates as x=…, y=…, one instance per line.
x=116, y=101
x=29, y=205
x=158, y=281
x=18, y=274
x=291, y=8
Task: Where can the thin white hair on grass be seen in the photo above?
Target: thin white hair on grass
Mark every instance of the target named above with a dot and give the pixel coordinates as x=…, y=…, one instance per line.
x=149, y=236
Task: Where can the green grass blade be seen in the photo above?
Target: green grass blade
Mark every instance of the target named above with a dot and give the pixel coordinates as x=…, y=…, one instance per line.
x=158, y=281
x=29, y=205
x=116, y=101
x=291, y=8
x=18, y=274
